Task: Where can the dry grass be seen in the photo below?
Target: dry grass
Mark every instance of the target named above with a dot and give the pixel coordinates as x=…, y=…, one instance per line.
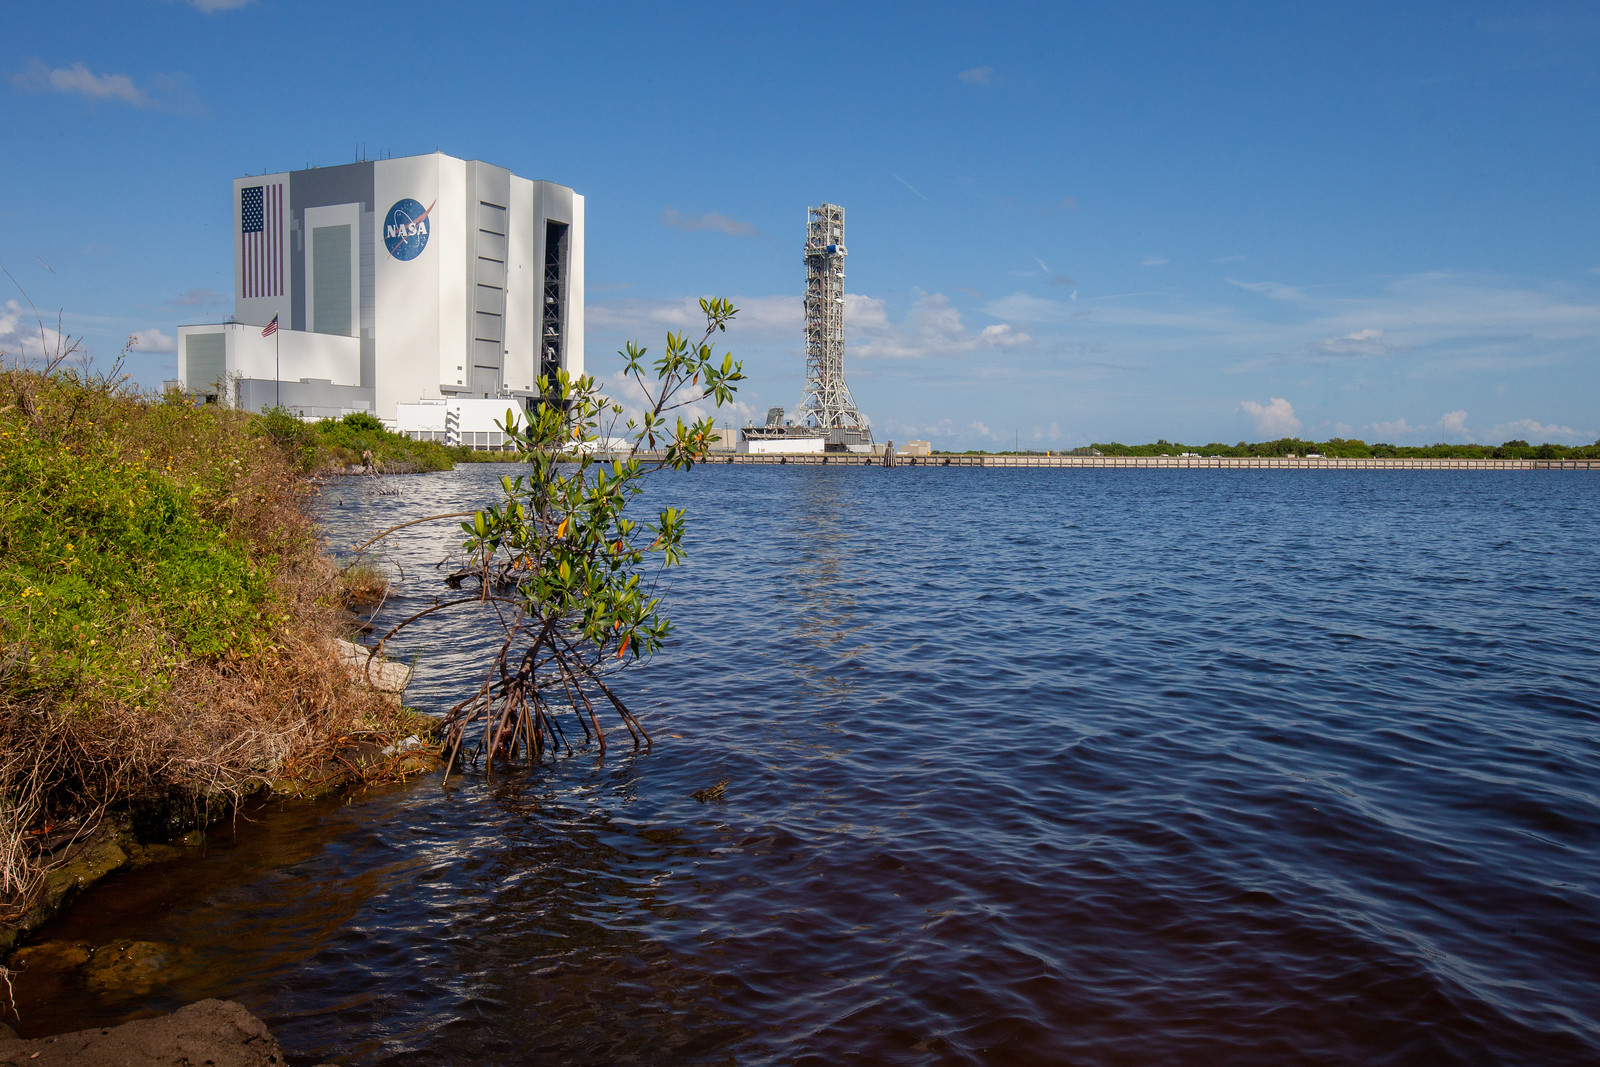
x=363, y=585
x=208, y=678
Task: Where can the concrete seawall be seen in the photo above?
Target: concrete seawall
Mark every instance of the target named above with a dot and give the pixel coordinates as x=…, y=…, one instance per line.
x=1143, y=462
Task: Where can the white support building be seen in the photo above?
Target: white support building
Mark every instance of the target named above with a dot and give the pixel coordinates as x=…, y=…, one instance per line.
x=394, y=283
x=471, y=421
x=803, y=445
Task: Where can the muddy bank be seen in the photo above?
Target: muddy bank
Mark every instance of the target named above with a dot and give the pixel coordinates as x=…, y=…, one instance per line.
x=218, y=1033
x=153, y=832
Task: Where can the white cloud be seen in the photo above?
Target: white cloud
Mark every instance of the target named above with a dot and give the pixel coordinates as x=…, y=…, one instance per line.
x=196, y=298
x=764, y=316
x=79, y=79
x=639, y=320
x=1454, y=321
x=1443, y=339
x=760, y=318
x=1230, y=259
x=711, y=220
x=1154, y=259
x=24, y=340
x=628, y=393
x=154, y=340
x=1042, y=434
x=1269, y=289
x=1368, y=342
x=1386, y=431
x=1120, y=311
x=1274, y=419
x=166, y=92
x=930, y=328
x=1536, y=432
x=211, y=7
x=977, y=75
x=1001, y=335
x=1454, y=423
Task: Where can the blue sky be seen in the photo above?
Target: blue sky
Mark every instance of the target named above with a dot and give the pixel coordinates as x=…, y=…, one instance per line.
x=1067, y=222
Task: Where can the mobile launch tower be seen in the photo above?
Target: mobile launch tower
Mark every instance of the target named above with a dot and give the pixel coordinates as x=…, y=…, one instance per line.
x=827, y=403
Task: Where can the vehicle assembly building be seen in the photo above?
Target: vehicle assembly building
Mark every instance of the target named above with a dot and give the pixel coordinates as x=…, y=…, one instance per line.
x=827, y=418
x=395, y=286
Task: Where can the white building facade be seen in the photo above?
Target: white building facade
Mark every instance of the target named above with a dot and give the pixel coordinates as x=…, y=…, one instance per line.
x=394, y=282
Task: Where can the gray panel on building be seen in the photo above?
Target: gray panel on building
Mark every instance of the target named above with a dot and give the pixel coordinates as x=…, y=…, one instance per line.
x=486, y=357
x=369, y=297
x=349, y=183
x=491, y=245
x=492, y=272
x=490, y=298
x=491, y=217
x=330, y=280
x=205, y=361
x=488, y=327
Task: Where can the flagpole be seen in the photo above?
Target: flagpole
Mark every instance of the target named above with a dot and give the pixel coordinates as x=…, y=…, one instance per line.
x=277, y=367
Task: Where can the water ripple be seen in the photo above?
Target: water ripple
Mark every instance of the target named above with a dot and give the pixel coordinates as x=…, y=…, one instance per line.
x=1024, y=767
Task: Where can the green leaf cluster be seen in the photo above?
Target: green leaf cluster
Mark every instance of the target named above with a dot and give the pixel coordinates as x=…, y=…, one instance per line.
x=561, y=535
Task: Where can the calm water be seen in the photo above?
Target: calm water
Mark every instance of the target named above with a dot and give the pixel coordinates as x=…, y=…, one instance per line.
x=1085, y=767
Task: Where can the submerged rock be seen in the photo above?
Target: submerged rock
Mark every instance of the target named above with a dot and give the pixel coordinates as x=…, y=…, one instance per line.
x=51, y=956
x=137, y=967
x=218, y=1033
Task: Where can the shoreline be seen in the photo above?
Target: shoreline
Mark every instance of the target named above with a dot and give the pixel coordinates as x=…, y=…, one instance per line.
x=846, y=459
x=172, y=622
x=164, y=829
x=223, y=1033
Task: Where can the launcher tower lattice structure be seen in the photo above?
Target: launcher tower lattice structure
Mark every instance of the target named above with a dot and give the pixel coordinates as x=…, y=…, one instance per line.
x=827, y=403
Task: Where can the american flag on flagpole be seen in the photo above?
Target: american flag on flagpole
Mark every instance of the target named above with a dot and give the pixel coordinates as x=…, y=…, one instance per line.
x=261, y=224
x=270, y=328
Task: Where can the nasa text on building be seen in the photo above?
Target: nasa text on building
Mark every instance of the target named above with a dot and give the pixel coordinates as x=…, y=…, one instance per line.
x=425, y=280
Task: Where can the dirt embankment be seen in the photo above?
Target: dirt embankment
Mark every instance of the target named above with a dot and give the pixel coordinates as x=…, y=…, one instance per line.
x=218, y=1033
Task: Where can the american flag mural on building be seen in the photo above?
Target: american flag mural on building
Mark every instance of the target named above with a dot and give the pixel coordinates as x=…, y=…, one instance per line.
x=261, y=223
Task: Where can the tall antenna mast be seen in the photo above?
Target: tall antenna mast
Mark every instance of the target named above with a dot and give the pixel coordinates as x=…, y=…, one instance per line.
x=827, y=403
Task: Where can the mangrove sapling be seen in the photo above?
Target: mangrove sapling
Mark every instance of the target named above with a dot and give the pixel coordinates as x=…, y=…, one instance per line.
x=570, y=578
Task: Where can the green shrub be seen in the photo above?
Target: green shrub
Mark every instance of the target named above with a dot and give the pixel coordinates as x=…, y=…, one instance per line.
x=110, y=576
x=290, y=433
x=126, y=543
x=165, y=605
x=342, y=443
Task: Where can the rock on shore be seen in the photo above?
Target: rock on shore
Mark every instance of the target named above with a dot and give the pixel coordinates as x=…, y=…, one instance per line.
x=217, y=1033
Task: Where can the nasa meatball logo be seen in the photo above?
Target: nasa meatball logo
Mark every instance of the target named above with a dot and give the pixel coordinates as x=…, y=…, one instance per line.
x=405, y=231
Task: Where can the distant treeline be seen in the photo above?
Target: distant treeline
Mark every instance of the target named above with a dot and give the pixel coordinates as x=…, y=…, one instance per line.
x=1338, y=447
